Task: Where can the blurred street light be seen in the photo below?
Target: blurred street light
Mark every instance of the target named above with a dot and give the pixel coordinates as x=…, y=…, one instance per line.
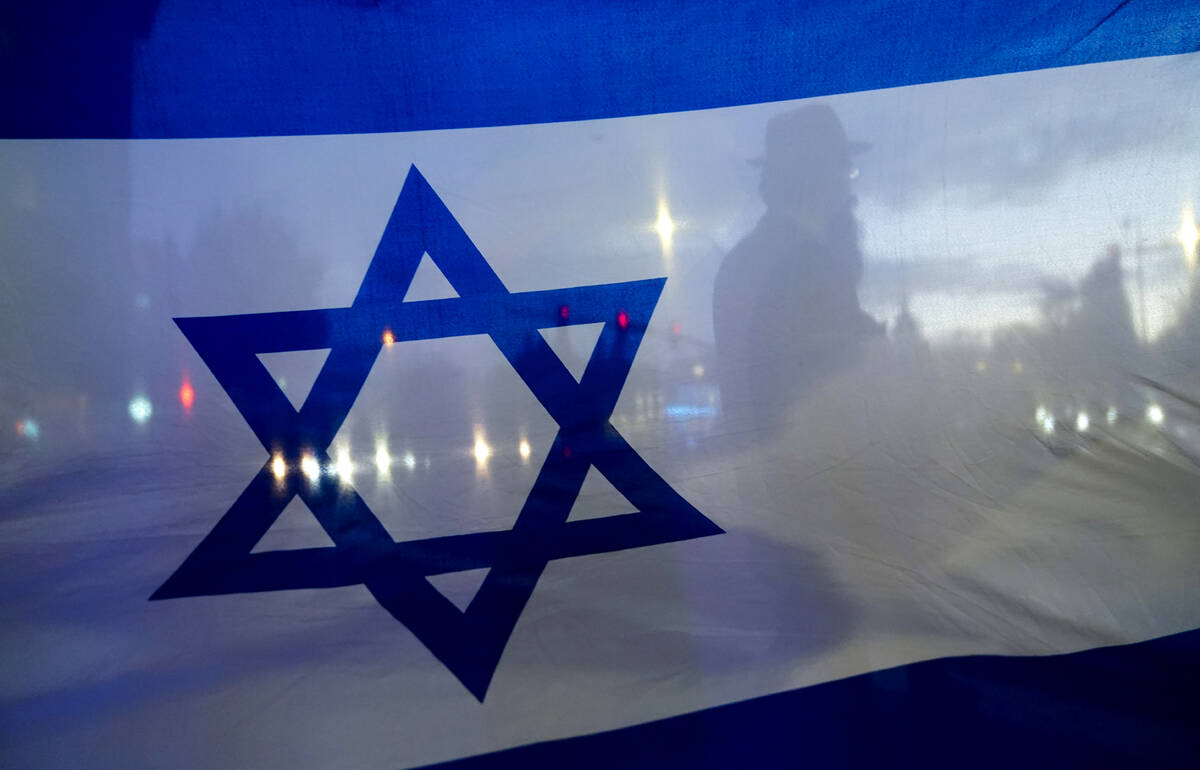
x=1189, y=237
x=665, y=227
x=310, y=467
x=343, y=466
x=140, y=409
x=383, y=460
x=187, y=395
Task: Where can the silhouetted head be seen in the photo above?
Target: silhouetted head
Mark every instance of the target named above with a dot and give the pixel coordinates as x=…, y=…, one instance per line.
x=808, y=164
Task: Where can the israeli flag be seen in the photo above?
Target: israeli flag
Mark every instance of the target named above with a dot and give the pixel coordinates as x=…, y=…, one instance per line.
x=386, y=386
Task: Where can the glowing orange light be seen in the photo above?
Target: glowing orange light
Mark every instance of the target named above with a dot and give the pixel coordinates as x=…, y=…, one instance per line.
x=388, y=337
x=187, y=396
x=622, y=320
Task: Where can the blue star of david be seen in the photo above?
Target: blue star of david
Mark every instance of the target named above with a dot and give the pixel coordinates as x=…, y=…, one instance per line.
x=469, y=643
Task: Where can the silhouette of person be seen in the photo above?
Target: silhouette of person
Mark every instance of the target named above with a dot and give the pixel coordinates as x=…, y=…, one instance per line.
x=785, y=301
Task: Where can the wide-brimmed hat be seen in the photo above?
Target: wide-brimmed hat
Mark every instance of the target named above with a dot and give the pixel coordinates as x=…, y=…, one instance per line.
x=806, y=134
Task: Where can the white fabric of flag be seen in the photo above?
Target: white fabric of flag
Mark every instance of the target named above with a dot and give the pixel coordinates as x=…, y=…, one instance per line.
x=925, y=361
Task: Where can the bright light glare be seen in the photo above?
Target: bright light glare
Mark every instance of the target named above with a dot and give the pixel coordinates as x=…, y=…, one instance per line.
x=1082, y=422
x=310, y=467
x=697, y=371
x=1040, y=415
x=383, y=460
x=664, y=225
x=524, y=449
x=1048, y=424
x=1189, y=237
x=1154, y=413
x=140, y=409
x=388, y=337
x=343, y=466
x=278, y=466
x=29, y=429
x=482, y=450
x=410, y=461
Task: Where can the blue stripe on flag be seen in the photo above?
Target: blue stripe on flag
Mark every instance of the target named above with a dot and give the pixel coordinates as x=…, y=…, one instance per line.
x=1127, y=706
x=182, y=68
